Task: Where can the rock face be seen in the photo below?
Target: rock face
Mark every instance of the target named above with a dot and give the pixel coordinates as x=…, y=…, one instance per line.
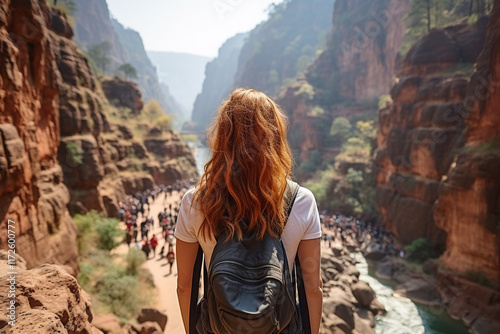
x=360, y=57
x=358, y=66
x=421, y=131
x=48, y=300
x=32, y=192
x=219, y=80
x=468, y=208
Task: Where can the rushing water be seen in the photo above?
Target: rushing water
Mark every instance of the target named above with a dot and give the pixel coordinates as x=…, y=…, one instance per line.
x=403, y=316
x=201, y=156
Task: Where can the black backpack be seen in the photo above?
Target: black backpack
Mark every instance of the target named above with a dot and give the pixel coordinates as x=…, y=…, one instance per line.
x=248, y=287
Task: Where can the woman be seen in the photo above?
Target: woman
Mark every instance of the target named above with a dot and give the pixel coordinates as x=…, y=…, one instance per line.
x=246, y=178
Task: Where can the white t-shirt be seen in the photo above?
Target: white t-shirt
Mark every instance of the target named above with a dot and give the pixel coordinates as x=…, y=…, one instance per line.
x=303, y=224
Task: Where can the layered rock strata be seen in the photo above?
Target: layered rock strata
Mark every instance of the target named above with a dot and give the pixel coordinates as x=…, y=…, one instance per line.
x=32, y=192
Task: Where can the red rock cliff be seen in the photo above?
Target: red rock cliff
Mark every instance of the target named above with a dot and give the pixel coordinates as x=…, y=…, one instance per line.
x=358, y=65
x=468, y=208
x=438, y=156
x=32, y=192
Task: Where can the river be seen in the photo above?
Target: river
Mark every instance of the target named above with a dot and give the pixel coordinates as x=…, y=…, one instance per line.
x=403, y=316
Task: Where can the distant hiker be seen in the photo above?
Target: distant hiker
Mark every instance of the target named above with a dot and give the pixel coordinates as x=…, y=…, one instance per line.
x=171, y=258
x=146, y=248
x=128, y=238
x=154, y=243
x=162, y=252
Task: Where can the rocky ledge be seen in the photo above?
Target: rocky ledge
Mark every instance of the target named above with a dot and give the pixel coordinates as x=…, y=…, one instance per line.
x=349, y=304
x=47, y=299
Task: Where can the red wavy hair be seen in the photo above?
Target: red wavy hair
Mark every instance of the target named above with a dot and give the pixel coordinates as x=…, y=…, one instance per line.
x=251, y=161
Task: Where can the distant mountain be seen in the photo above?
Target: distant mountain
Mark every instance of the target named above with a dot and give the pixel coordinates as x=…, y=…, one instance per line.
x=94, y=25
x=219, y=80
x=182, y=72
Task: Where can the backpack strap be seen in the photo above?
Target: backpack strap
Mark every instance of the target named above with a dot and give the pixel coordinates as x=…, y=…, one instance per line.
x=194, y=310
x=292, y=188
x=297, y=279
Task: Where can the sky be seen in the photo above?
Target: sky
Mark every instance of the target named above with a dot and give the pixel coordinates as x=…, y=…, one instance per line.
x=198, y=27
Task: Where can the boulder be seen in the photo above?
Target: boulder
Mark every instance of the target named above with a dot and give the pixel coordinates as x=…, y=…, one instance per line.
x=123, y=93
x=362, y=325
x=377, y=307
x=150, y=327
x=385, y=269
x=374, y=252
x=49, y=300
x=336, y=325
x=151, y=314
x=419, y=291
x=109, y=324
x=363, y=293
x=430, y=267
x=339, y=305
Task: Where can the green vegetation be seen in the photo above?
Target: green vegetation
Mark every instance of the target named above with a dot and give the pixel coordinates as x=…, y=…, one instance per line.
x=68, y=7
x=427, y=14
x=75, y=152
x=420, y=250
x=340, y=129
x=115, y=283
x=349, y=186
x=98, y=55
x=477, y=277
x=96, y=231
x=482, y=149
x=128, y=71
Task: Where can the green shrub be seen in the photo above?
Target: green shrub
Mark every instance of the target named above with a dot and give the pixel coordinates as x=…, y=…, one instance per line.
x=476, y=276
x=135, y=258
x=108, y=232
x=119, y=292
x=86, y=236
x=420, y=250
x=75, y=152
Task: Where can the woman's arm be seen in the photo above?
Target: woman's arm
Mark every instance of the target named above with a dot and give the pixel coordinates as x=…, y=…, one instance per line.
x=186, y=256
x=309, y=253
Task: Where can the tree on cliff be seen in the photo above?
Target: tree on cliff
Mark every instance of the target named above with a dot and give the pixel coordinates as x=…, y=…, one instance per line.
x=129, y=71
x=98, y=53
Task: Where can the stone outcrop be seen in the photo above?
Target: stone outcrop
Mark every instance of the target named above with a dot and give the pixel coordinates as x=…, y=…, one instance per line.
x=32, y=192
x=420, y=132
x=349, y=305
x=48, y=300
x=123, y=93
x=468, y=208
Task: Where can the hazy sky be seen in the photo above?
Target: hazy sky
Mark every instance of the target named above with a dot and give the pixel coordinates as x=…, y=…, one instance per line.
x=192, y=26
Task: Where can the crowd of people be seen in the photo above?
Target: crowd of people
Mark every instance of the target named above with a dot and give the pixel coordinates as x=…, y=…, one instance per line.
x=142, y=227
x=350, y=230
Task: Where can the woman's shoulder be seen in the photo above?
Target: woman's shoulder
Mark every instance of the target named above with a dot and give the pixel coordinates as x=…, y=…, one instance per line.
x=305, y=196
x=188, y=196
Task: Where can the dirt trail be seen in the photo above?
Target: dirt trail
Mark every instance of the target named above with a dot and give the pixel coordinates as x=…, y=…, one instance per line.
x=166, y=300
x=166, y=283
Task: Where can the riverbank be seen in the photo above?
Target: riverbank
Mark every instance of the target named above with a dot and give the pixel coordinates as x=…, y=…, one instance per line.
x=450, y=304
